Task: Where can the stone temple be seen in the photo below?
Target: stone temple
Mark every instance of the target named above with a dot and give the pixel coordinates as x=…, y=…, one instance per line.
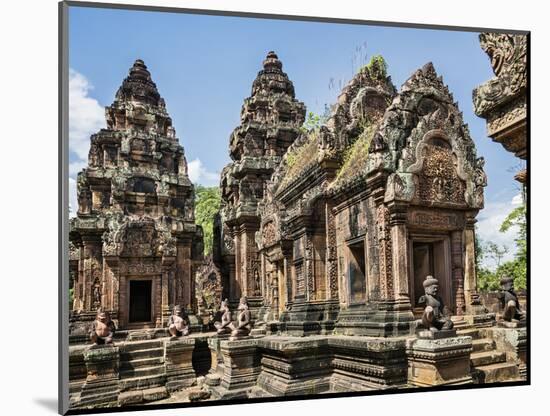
x=343, y=258
x=134, y=241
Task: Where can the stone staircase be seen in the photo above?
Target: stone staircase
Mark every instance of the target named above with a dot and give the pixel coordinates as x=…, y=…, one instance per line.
x=142, y=372
x=487, y=363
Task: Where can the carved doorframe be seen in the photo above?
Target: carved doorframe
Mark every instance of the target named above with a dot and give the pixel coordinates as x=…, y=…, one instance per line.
x=446, y=283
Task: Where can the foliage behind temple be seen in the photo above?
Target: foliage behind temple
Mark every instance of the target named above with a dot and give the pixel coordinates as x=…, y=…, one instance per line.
x=206, y=206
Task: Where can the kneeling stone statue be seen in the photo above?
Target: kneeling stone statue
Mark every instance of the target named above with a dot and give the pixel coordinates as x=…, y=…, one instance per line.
x=436, y=315
x=103, y=328
x=223, y=327
x=509, y=301
x=243, y=325
x=177, y=324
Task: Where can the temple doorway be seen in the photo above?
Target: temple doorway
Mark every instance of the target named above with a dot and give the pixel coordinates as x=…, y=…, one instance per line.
x=140, y=301
x=430, y=257
x=356, y=272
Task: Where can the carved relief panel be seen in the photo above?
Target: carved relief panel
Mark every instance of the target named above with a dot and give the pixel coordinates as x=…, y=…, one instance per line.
x=438, y=179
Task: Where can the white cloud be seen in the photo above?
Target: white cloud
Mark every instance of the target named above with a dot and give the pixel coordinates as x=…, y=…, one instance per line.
x=73, y=203
x=488, y=227
x=76, y=166
x=200, y=175
x=517, y=200
x=86, y=115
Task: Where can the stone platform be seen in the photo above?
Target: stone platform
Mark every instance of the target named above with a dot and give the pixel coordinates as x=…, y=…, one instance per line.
x=134, y=372
x=161, y=370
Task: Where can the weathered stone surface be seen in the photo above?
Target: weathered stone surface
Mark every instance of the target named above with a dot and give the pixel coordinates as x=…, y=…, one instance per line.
x=241, y=366
x=502, y=100
x=101, y=386
x=130, y=397
x=514, y=342
x=156, y=393
x=434, y=362
x=319, y=364
x=179, y=363
x=196, y=395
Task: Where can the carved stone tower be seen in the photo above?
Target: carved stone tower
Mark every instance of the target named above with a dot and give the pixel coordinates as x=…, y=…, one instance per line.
x=135, y=233
x=270, y=122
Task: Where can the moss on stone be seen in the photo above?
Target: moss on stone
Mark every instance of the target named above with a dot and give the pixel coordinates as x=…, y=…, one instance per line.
x=355, y=156
x=377, y=67
x=298, y=159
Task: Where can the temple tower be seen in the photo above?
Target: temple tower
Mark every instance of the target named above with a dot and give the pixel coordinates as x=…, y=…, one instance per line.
x=135, y=235
x=270, y=122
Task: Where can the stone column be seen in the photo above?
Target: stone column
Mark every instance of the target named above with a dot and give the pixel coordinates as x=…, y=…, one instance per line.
x=331, y=269
x=166, y=277
x=458, y=272
x=439, y=362
x=470, y=278
x=238, y=288
x=241, y=367
x=92, y=269
x=309, y=278
x=234, y=287
x=101, y=386
x=178, y=362
x=111, y=270
x=184, y=266
x=399, y=260
x=249, y=259
x=287, y=271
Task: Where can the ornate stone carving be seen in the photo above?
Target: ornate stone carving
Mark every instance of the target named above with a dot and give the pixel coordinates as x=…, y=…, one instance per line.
x=269, y=234
x=439, y=181
x=385, y=252
x=508, y=54
x=136, y=195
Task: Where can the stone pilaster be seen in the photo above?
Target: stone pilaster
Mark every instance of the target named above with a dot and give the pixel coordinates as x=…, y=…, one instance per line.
x=101, y=386
x=457, y=272
x=470, y=278
x=514, y=342
x=179, y=365
x=439, y=362
x=241, y=366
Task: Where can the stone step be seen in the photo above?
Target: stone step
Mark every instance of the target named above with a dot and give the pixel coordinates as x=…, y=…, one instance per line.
x=142, y=362
x=142, y=372
x=483, y=344
x=471, y=332
x=487, y=357
x=140, y=354
x=496, y=373
x=137, y=396
x=140, y=383
x=141, y=345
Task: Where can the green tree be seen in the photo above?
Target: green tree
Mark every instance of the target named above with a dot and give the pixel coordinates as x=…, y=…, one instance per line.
x=314, y=121
x=487, y=279
x=207, y=205
x=517, y=268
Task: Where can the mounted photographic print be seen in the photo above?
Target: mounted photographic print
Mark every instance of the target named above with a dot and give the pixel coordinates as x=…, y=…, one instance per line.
x=262, y=208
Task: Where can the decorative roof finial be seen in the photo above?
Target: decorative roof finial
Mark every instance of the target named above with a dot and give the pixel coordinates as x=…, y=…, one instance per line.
x=272, y=62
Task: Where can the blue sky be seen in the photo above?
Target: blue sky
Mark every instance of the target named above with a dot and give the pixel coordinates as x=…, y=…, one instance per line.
x=204, y=67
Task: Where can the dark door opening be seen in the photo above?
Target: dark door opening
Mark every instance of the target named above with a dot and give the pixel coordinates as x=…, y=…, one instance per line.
x=423, y=262
x=356, y=272
x=431, y=258
x=140, y=301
